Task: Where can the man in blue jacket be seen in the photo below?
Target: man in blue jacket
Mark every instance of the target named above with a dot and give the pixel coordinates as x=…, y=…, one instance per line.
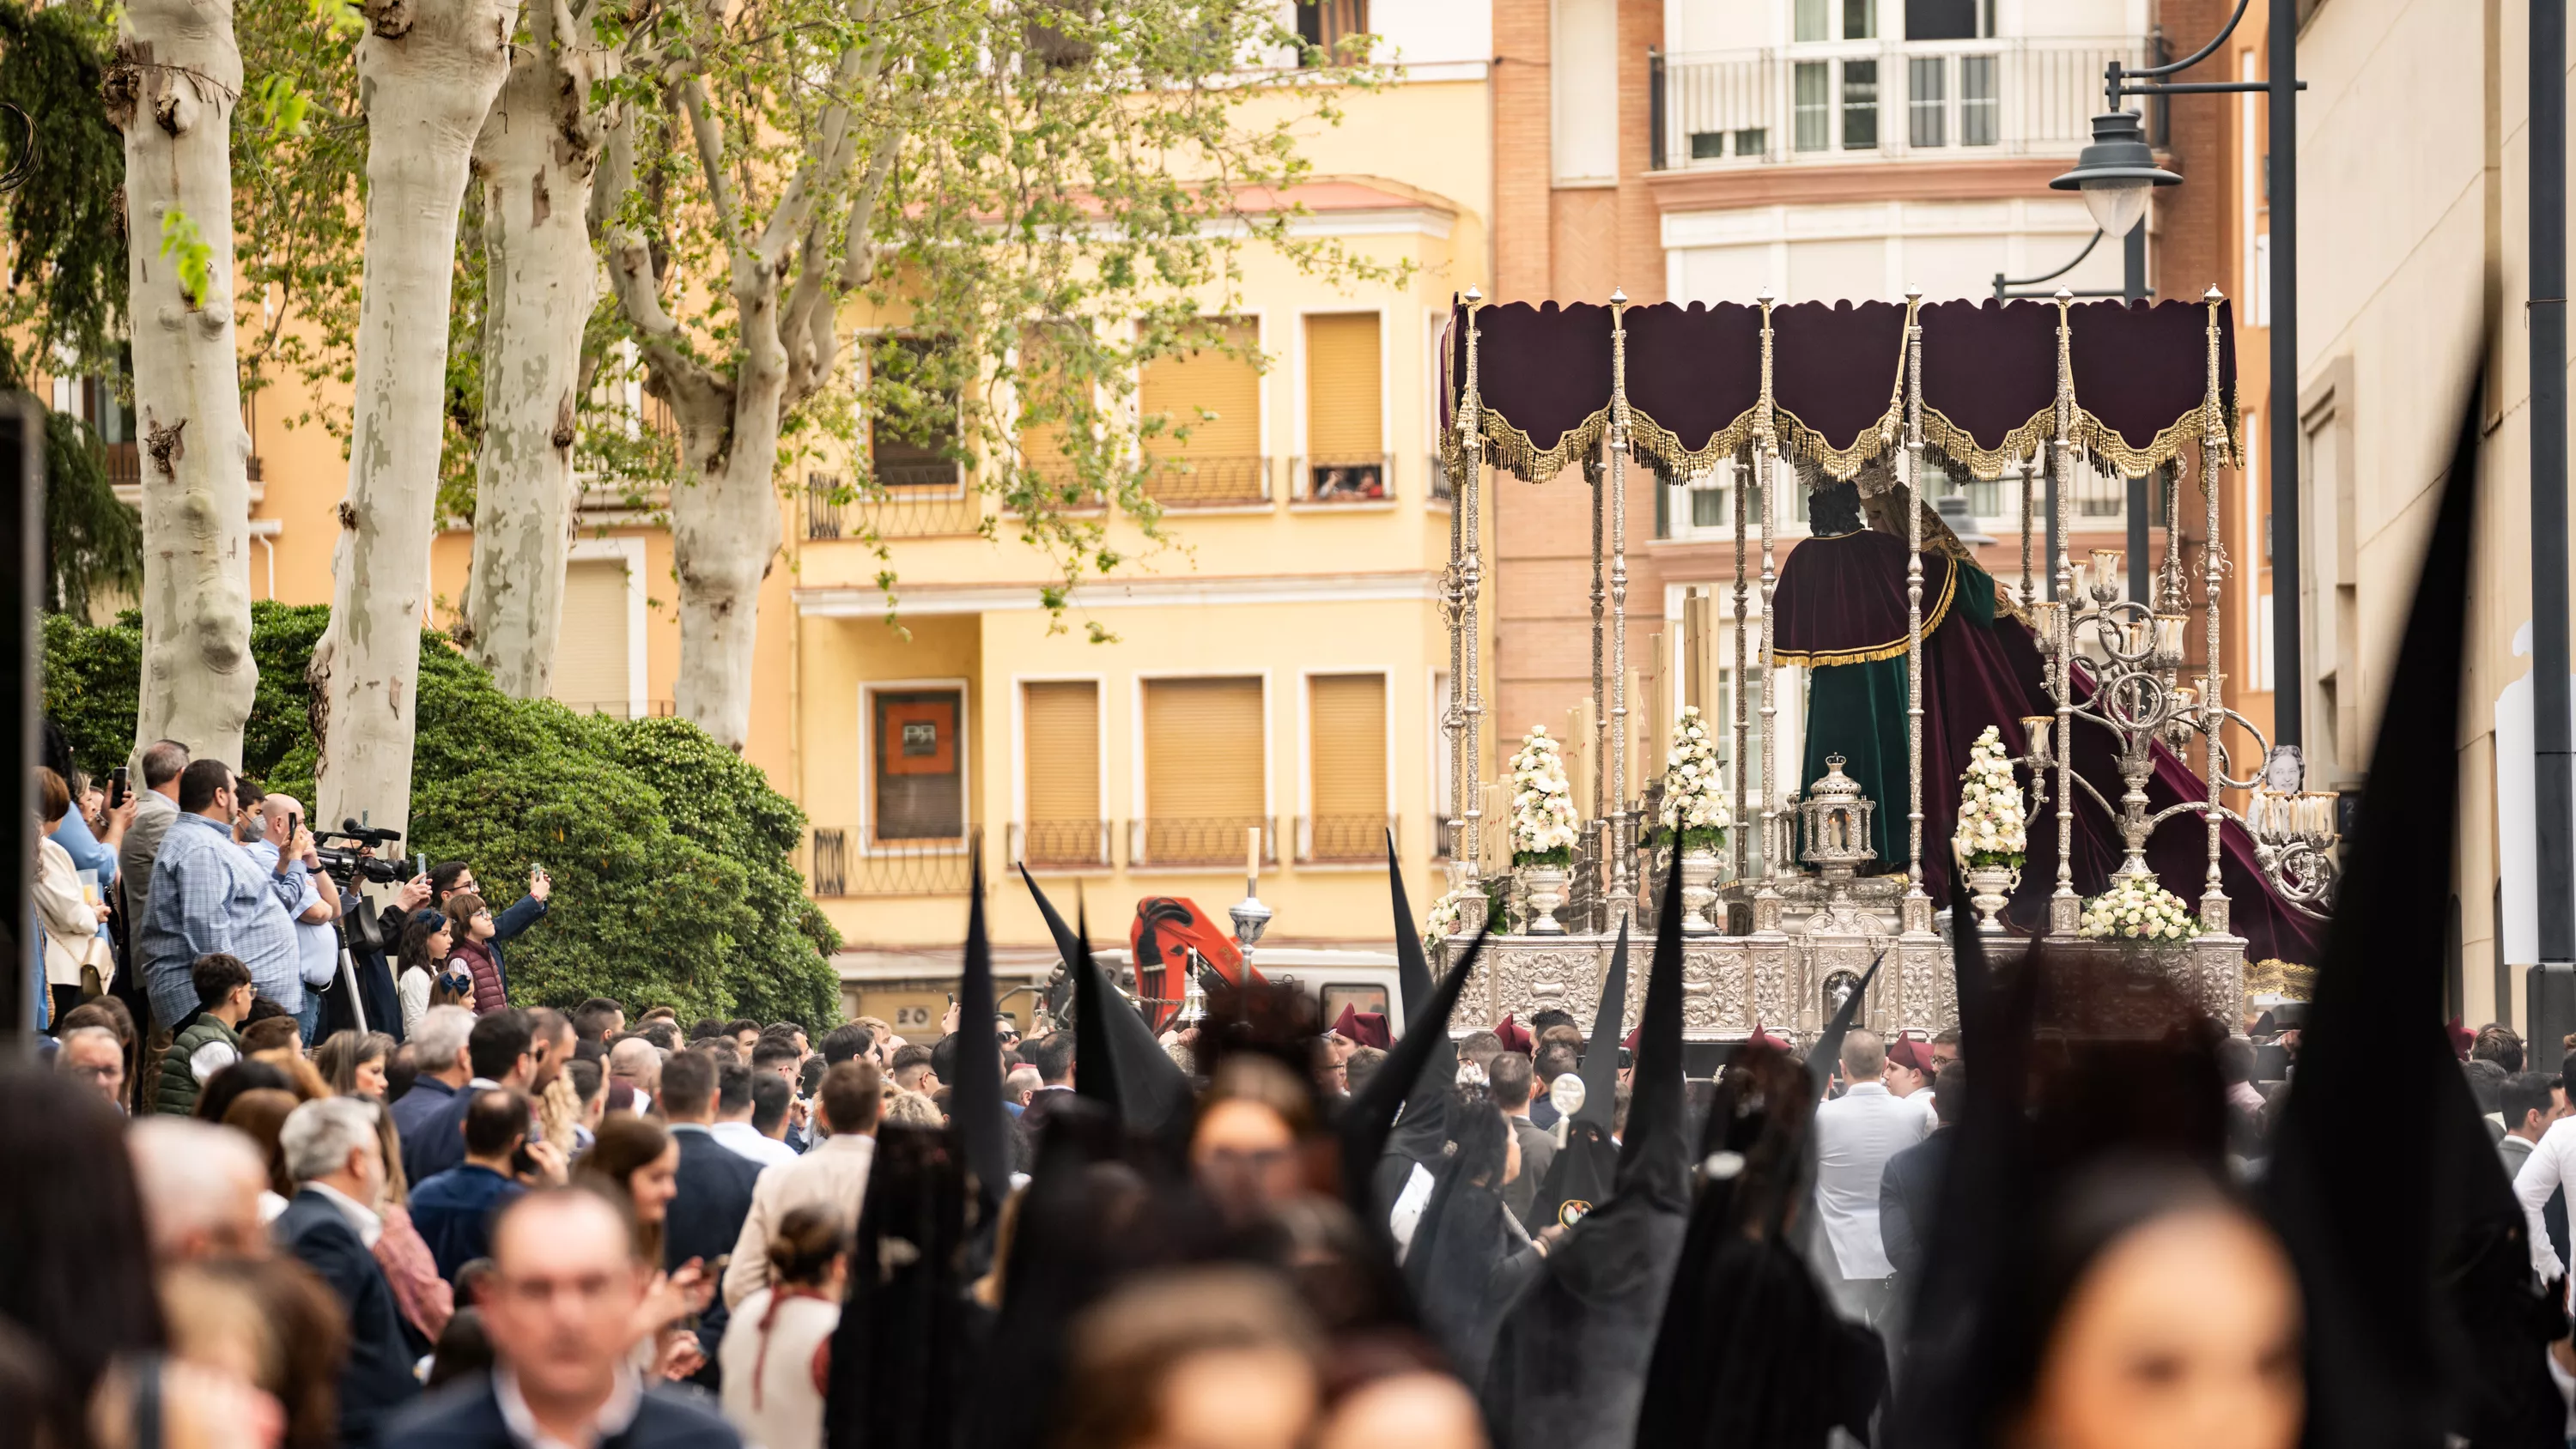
x=454, y=1209
x=330, y=1146
x=559, y=1309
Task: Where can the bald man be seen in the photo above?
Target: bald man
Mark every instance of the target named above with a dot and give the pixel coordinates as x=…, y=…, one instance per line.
x=317, y=941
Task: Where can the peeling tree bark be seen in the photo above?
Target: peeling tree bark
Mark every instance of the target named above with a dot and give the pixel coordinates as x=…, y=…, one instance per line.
x=172, y=90
x=537, y=155
x=725, y=515
x=429, y=70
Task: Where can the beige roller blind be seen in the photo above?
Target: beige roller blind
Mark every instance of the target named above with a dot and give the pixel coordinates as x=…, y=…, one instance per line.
x=1041, y=444
x=1060, y=724
x=1346, y=765
x=590, y=657
x=1344, y=399
x=1203, y=775
x=1179, y=388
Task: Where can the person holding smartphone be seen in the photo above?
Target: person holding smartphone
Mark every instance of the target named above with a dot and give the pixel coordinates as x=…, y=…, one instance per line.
x=432, y=887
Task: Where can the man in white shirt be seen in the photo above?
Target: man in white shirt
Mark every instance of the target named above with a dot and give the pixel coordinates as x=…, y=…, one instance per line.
x=2550, y=1166
x=1855, y=1135
x=1909, y=1074
x=833, y=1176
x=317, y=941
x=733, y=1127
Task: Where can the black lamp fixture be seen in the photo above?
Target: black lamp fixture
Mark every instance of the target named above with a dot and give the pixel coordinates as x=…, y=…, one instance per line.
x=2116, y=172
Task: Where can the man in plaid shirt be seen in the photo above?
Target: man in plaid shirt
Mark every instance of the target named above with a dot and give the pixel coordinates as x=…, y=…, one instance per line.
x=209, y=895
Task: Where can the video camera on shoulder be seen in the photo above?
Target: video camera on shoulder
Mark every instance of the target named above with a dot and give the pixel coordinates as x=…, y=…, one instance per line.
x=347, y=854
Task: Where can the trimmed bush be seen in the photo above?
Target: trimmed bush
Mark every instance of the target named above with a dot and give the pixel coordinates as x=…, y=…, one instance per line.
x=673, y=859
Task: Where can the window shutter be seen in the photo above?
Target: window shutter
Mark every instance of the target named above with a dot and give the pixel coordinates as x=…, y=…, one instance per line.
x=1060, y=771
x=1343, y=393
x=1041, y=444
x=1203, y=768
x=590, y=657
x=1346, y=763
x=1178, y=387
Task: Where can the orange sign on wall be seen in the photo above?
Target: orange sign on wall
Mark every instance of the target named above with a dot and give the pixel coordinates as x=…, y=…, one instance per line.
x=917, y=737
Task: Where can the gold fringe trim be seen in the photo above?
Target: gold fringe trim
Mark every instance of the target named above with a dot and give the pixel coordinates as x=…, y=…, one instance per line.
x=1840, y=464
x=1510, y=449
x=2104, y=442
x=1826, y=658
x=1676, y=460
x=1988, y=464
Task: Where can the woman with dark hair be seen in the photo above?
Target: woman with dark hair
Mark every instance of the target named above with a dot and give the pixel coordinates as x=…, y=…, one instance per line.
x=637, y=1163
x=474, y=931
x=426, y=939
x=1470, y=1257
x=353, y=1063
x=73, y=1272
x=777, y=1352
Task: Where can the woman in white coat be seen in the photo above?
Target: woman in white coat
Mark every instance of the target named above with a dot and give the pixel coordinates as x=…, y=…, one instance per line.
x=67, y=918
x=777, y=1349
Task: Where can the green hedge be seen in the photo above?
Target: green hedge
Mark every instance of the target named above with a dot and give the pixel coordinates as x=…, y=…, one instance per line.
x=673, y=859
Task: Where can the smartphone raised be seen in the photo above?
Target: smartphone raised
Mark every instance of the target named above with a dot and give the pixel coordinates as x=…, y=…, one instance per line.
x=116, y=787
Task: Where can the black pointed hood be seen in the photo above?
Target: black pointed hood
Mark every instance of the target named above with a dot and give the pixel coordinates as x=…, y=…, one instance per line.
x=975, y=1098
x=2355, y=1184
x=1829, y=1046
x=1600, y=1071
x=1117, y=1062
x=1569, y=1366
x=1367, y=1121
x=1654, y=1159
x=1587, y=1162
x=1413, y=971
x=1958, y=1341
x=1422, y=1135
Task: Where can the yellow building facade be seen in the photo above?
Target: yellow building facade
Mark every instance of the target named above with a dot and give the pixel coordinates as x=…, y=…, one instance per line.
x=1278, y=662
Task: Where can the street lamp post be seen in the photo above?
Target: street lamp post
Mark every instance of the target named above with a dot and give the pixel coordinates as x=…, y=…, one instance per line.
x=2114, y=176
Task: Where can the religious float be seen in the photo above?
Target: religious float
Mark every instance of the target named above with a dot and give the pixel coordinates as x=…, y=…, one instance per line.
x=2051, y=738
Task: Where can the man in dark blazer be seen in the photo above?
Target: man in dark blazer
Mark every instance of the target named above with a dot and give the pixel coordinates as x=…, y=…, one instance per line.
x=714, y=1184
x=500, y=1051
x=559, y=1309
x=330, y=1146
x=1911, y=1182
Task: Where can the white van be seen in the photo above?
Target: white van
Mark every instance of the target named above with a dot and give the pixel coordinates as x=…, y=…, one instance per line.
x=1365, y=980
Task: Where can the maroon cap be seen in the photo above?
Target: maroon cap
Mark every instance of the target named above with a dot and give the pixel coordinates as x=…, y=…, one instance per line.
x=1367, y=1028
x=1516, y=1037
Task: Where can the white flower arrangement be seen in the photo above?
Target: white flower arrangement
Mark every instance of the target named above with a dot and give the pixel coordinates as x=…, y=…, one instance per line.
x=1993, y=823
x=2135, y=908
x=1694, y=797
x=1451, y=914
x=1543, y=823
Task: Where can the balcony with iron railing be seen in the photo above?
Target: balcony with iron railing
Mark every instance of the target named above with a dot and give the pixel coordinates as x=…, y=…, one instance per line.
x=929, y=867
x=1074, y=845
x=1343, y=839
x=929, y=500
x=1198, y=842
x=1191, y=481
x=1875, y=100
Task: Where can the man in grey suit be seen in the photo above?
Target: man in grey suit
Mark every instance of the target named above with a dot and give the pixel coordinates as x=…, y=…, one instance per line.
x=154, y=808
x=1856, y=1133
